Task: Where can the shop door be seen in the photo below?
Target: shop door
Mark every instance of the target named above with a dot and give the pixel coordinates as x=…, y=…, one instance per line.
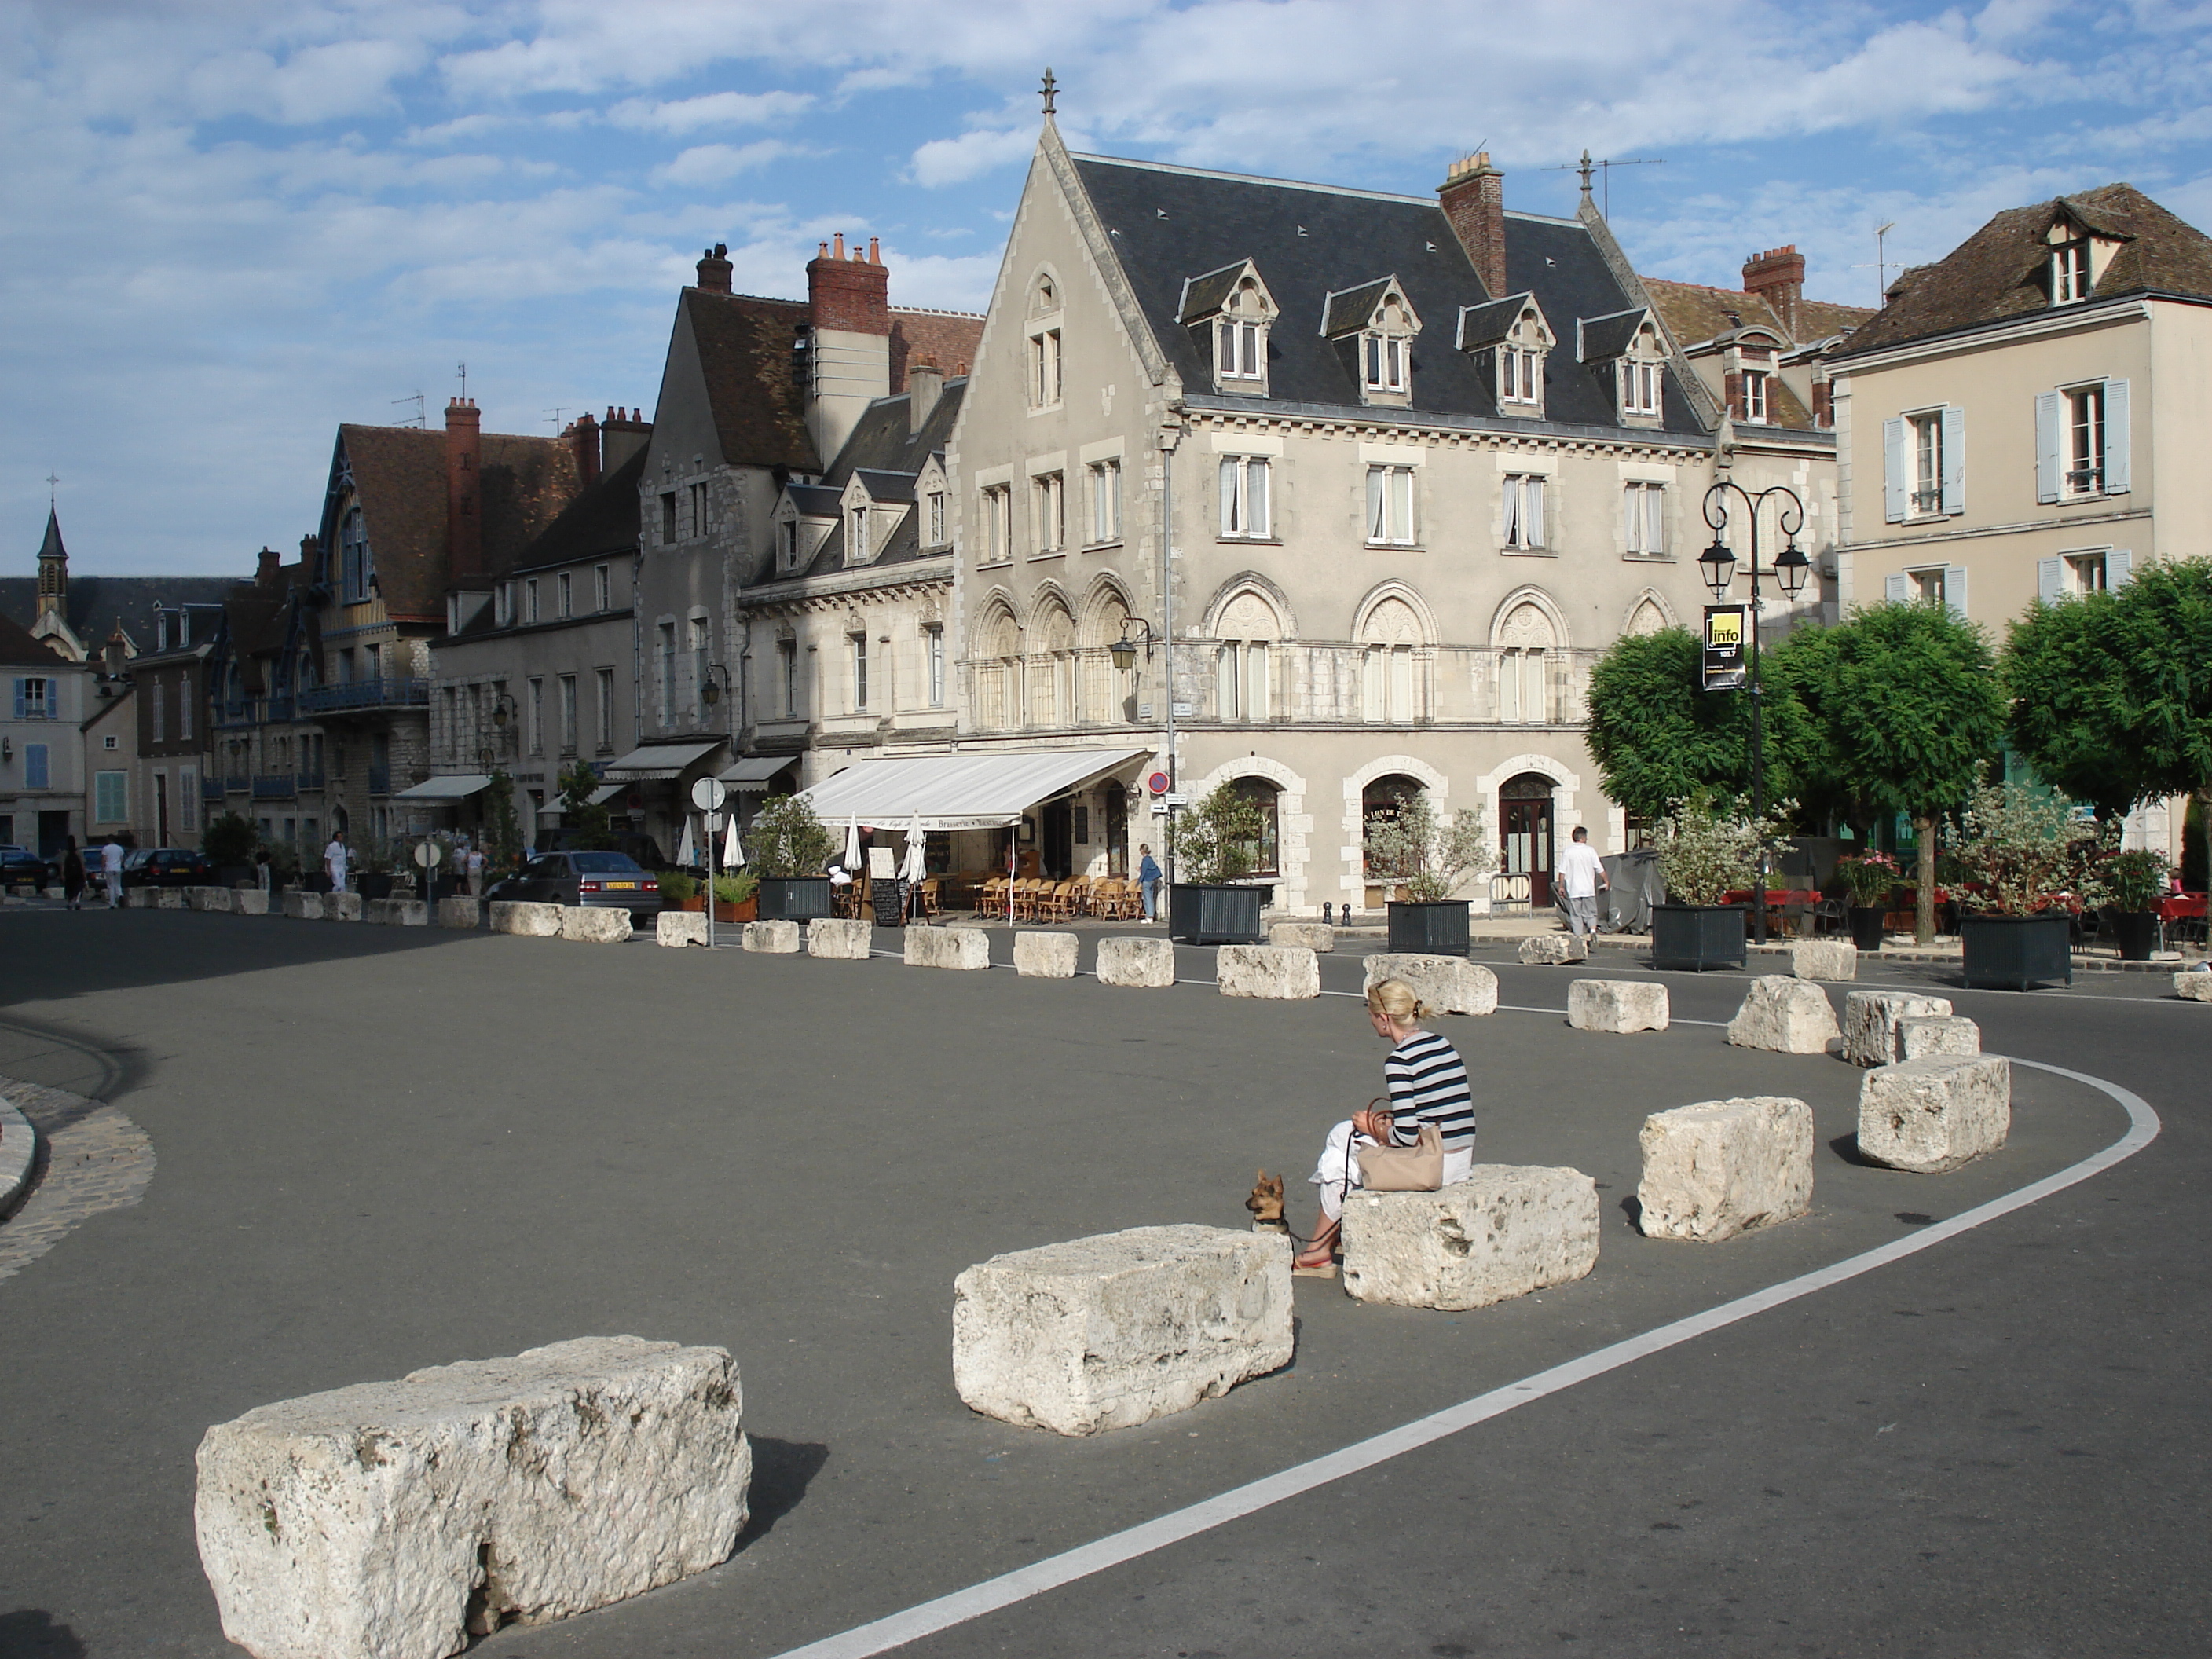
x=1524, y=818
x=1059, y=846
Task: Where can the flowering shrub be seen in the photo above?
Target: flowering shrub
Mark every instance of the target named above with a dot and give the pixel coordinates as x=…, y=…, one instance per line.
x=2133, y=881
x=1871, y=878
x=1412, y=848
x=2018, y=848
x=1710, y=848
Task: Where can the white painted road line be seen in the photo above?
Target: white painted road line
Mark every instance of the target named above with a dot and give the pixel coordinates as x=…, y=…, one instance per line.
x=1051, y=1573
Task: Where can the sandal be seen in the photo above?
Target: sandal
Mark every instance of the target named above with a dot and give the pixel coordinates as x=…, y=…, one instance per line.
x=1302, y=1268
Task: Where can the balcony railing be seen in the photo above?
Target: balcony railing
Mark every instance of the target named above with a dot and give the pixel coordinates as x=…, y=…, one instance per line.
x=365, y=694
x=210, y=788
x=274, y=786
x=380, y=780
x=237, y=785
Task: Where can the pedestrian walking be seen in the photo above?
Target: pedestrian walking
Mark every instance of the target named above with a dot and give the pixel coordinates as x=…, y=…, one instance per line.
x=334, y=861
x=1148, y=881
x=261, y=870
x=110, y=867
x=73, y=875
x=1581, y=877
x=475, y=865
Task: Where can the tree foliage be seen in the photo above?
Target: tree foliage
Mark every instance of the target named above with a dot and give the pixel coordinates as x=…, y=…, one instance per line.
x=788, y=838
x=1411, y=848
x=1218, y=839
x=587, y=822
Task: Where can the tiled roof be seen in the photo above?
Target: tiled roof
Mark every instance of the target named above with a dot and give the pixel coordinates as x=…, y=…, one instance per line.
x=2002, y=271
x=603, y=520
x=949, y=337
x=744, y=353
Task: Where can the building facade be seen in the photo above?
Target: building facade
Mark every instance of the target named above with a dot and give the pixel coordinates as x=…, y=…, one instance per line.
x=42, y=775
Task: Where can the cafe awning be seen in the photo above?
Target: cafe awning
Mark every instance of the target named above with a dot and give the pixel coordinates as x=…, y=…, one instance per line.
x=657, y=761
x=959, y=791
x=751, y=775
x=600, y=797
x=456, y=785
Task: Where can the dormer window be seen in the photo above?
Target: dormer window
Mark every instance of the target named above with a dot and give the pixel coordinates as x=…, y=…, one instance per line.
x=1235, y=310
x=787, y=545
x=1639, y=387
x=1389, y=362
x=1519, y=375
x=1373, y=327
x=2069, y=273
x=1514, y=335
x=1754, y=397
x=1237, y=351
x=856, y=537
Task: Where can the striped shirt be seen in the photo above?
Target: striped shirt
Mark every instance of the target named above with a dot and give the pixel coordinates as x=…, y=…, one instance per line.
x=1428, y=1084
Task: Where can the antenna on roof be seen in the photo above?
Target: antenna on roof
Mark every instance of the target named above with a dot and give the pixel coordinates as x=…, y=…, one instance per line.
x=1604, y=170
x=464, y=370
x=557, y=411
x=1882, y=263
x=415, y=398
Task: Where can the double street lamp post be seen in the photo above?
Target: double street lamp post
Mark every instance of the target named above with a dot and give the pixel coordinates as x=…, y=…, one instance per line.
x=1717, y=564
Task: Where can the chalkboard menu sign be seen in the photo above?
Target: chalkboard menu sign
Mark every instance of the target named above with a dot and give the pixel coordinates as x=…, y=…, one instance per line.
x=889, y=899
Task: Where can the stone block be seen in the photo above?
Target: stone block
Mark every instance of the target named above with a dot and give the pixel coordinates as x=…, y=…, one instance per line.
x=1724, y=1167
x=167, y=898
x=775, y=939
x=1870, y=1021
x=55, y=892
x=1787, y=1015
x=592, y=924
x=303, y=907
x=341, y=907
x=398, y=912
x=963, y=948
x=1451, y=984
x=1619, y=1006
x=249, y=901
x=1044, y=953
x=1932, y=1116
x=1825, y=958
x=394, y=1520
x=2195, y=985
x=459, y=910
x=1139, y=963
x=1553, y=948
x=216, y=899
x=677, y=928
x=1109, y=1331
x=526, y=919
x=1927, y=1036
x=1277, y=972
x=1303, y=936
x=840, y=939
x=138, y=898
x=1505, y=1230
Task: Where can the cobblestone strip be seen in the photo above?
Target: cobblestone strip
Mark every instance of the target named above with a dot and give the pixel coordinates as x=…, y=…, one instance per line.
x=91, y=1158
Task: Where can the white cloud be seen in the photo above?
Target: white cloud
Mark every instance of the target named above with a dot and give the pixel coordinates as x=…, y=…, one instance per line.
x=955, y=161
x=708, y=164
x=714, y=109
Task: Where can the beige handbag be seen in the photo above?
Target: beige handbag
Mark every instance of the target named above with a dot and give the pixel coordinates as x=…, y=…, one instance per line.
x=1416, y=1168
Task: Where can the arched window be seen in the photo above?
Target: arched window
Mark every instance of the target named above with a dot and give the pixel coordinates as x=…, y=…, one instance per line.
x=1388, y=687
x=997, y=664
x=1527, y=680
x=1380, y=803
x=1266, y=848
x=1109, y=694
x=1051, y=668
x=1245, y=668
x=307, y=671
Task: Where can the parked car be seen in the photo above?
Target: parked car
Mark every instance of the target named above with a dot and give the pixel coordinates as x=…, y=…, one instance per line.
x=19, y=865
x=638, y=845
x=167, y=866
x=605, y=881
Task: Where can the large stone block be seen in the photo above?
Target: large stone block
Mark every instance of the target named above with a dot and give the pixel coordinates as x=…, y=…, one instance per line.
x=2195, y=985
x=1932, y=1116
x=142, y=898
x=303, y=907
x=1927, y=1036
x=394, y=1520
x=1553, y=948
x=398, y=913
x=167, y=898
x=680, y=927
x=1787, y=1015
x=1505, y=1230
x=1140, y=964
x=966, y=948
x=1279, y=973
x=1825, y=958
x=459, y=910
x=215, y=900
x=1870, y=1020
x=249, y=901
x=1044, y=953
x=1620, y=1006
x=1303, y=936
x=341, y=907
x=55, y=892
x=840, y=938
x=775, y=939
x=1451, y=984
x=1109, y=1331
x=526, y=919
x=1723, y=1167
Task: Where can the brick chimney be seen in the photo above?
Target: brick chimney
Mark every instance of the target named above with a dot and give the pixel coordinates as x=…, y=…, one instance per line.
x=270, y=562
x=583, y=439
x=622, y=434
x=853, y=293
x=116, y=651
x=464, y=493
x=925, y=383
x=1473, y=196
x=1778, y=276
x=715, y=270
x=311, y=553
x=849, y=304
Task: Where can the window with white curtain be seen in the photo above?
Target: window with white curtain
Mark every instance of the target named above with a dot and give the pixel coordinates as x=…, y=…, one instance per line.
x=1243, y=685
x=1645, y=511
x=997, y=524
x=1524, y=687
x=1048, y=499
x=1244, y=492
x=1524, y=522
x=1044, y=368
x=1390, y=506
x=1105, y=501
x=1519, y=375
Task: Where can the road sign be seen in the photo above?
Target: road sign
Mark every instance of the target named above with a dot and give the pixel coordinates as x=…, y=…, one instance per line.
x=429, y=853
x=1158, y=783
x=708, y=793
x=1723, y=665
x=1178, y=799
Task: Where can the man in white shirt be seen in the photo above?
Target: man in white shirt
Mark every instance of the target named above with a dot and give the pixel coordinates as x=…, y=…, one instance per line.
x=110, y=867
x=1582, y=875
x=475, y=867
x=334, y=861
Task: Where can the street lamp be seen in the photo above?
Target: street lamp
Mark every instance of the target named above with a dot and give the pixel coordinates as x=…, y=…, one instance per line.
x=718, y=681
x=504, y=710
x=1717, y=565
x=1123, y=651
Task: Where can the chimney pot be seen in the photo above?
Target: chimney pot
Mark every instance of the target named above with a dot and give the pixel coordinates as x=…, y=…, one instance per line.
x=838, y=245
x=875, y=256
x=1472, y=197
x=1778, y=277
x=264, y=573
x=715, y=271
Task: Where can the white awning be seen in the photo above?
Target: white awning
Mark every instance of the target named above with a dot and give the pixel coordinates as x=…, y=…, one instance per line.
x=660, y=760
x=958, y=792
x=458, y=785
x=752, y=775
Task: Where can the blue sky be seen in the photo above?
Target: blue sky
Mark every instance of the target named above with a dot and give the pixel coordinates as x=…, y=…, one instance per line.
x=233, y=224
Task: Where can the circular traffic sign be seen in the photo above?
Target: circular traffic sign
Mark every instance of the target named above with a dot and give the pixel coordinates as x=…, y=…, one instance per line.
x=429, y=853
x=1158, y=783
x=708, y=793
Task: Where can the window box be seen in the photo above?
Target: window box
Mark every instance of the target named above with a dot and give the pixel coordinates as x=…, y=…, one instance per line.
x=1224, y=915
x=1438, y=929
x=794, y=898
x=2016, y=952
x=1699, y=936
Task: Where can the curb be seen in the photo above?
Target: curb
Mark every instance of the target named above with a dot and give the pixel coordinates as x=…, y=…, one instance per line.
x=19, y=1152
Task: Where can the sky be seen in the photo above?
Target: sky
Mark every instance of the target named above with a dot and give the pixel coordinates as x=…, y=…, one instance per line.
x=231, y=225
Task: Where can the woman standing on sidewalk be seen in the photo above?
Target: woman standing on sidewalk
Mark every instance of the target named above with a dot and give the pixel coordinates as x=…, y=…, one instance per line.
x=1148, y=881
x=73, y=875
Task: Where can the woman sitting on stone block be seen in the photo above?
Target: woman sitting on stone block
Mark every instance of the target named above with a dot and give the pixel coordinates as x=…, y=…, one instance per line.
x=1427, y=1083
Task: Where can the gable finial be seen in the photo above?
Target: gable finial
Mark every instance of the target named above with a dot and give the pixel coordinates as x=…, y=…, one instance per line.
x=1050, y=89
x=1586, y=168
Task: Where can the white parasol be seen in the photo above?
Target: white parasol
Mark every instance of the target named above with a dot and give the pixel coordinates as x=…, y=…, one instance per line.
x=683, y=857
x=915, y=867
x=733, y=850
x=852, y=859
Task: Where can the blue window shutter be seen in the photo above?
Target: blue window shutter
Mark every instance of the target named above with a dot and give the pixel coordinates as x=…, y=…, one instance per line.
x=1954, y=459
x=2119, y=569
x=34, y=766
x=1895, y=588
x=1892, y=470
x=2116, y=437
x=1954, y=590
x=2046, y=446
x=19, y=699
x=2051, y=580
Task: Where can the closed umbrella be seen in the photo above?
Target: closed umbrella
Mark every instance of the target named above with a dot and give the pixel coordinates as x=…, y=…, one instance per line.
x=853, y=860
x=683, y=855
x=916, y=843
x=733, y=852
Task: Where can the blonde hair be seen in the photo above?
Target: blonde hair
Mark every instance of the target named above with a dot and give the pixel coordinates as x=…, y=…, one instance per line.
x=1394, y=1000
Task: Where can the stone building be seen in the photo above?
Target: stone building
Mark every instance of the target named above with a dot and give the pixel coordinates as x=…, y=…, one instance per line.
x=75, y=613
x=42, y=779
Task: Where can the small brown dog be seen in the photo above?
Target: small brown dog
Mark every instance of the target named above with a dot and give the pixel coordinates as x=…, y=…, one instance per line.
x=1266, y=1204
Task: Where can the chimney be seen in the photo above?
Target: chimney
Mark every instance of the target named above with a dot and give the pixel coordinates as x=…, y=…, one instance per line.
x=583, y=436
x=270, y=562
x=116, y=651
x=924, y=381
x=1778, y=276
x=622, y=434
x=464, y=493
x=1473, y=196
x=311, y=555
x=715, y=270
x=848, y=305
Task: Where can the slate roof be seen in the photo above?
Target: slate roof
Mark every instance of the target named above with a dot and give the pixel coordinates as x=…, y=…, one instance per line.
x=1347, y=311
x=95, y=604
x=886, y=487
x=1202, y=295
x=815, y=500
x=1490, y=322
x=2003, y=270
x=1603, y=338
x=1169, y=224
x=19, y=650
x=890, y=456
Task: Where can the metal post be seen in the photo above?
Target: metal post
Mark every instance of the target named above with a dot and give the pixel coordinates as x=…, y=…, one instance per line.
x=708, y=818
x=1758, y=746
x=1169, y=437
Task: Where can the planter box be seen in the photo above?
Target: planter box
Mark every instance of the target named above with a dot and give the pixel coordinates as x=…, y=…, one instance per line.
x=1866, y=925
x=2015, y=952
x=1429, y=930
x=748, y=911
x=1697, y=936
x=1215, y=916
x=792, y=898
x=237, y=875
x=373, y=886
x=2136, y=932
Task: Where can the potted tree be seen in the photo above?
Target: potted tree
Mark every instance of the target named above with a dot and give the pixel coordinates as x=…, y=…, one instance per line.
x=228, y=843
x=1211, y=846
x=2016, y=847
x=2128, y=886
x=1706, y=851
x=679, y=891
x=1869, y=880
x=737, y=897
x=790, y=850
x=1416, y=853
x=374, y=881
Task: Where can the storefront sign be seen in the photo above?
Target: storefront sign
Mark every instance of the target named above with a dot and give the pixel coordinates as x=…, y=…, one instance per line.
x=1724, y=648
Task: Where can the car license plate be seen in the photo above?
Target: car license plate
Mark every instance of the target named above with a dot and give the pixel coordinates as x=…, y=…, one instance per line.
x=624, y=886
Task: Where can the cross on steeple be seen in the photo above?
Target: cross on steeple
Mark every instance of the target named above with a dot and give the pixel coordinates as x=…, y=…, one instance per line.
x=1586, y=168
x=1050, y=89
x=52, y=483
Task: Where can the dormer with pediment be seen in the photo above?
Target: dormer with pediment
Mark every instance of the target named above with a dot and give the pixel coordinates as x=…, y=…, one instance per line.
x=1229, y=312
x=1511, y=340
x=2082, y=249
x=870, y=508
x=1372, y=327
x=1625, y=350
x=805, y=516
x=933, y=500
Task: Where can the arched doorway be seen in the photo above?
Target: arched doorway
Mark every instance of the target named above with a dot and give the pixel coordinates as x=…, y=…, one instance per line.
x=1524, y=824
x=1378, y=804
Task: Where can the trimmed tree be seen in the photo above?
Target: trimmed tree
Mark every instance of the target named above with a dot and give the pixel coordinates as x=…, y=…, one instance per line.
x=589, y=821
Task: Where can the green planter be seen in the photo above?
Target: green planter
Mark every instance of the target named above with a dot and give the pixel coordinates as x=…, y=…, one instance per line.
x=1699, y=936
x=1224, y=915
x=2012, y=953
x=794, y=898
x=1438, y=929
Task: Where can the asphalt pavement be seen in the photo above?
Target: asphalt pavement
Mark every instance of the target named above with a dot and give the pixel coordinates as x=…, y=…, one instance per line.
x=381, y=1149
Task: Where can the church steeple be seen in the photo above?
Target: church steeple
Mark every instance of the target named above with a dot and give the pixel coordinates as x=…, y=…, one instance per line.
x=53, y=568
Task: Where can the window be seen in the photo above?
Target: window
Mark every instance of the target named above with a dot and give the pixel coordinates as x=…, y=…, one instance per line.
x=529, y=600
x=1105, y=502
x=188, y=797
x=111, y=797
x=159, y=691
x=1390, y=506
x=1048, y=501
x=1754, y=396
x=371, y=662
x=997, y=524
x=1244, y=482
x=1923, y=459
x=1044, y=368
x=603, y=588
x=1266, y=848
x=1519, y=375
x=536, y=733
x=184, y=707
x=2084, y=441
x=1237, y=351
x=667, y=517
x=856, y=537
x=1242, y=686
x=698, y=509
x=2069, y=273
x=1388, y=359
x=2086, y=573
x=503, y=605
x=567, y=713
x=1927, y=585
x=2081, y=442
x=668, y=673
x=108, y=742
x=1941, y=584
x=786, y=655
x=1644, y=513
x=34, y=766
x=937, y=536
x=934, y=645
x=698, y=642
x=562, y=598
x=602, y=688
x=1640, y=384
x=1524, y=522
x=1927, y=463
x=355, y=567
x=787, y=545
x=859, y=673
x=35, y=699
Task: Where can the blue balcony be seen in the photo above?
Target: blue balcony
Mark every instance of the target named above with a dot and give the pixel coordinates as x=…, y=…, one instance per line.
x=237, y=785
x=274, y=786
x=210, y=788
x=358, y=695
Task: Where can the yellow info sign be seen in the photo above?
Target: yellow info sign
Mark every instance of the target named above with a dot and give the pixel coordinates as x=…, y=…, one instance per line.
x=1723, y=666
